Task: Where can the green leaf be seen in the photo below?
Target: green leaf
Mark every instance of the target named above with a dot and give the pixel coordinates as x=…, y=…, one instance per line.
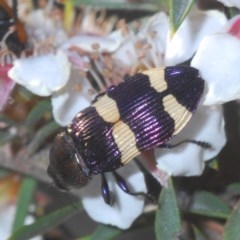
x=167, y=223
x=232, y=229
x=207, y=204
x=198, y=234
x=37, y=112
x=45, y=223
x=6, y=136
x=85, y=238
x=24, y=199
x=7, y=120
x=104, y=232
x=42, y=135
x=178, y=12
x=233, y=190
x=114, y=4
x=214, y=164
x=233, y=12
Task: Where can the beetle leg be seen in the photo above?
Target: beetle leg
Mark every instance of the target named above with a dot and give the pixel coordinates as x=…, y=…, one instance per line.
x=106, y=194
x=121, y=182
x=199, y=143
x=123, y=185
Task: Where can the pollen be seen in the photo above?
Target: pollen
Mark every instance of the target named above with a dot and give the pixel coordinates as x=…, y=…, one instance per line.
x=95, y=46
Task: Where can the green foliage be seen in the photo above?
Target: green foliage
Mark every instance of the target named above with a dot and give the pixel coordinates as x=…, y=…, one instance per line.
x=198, y=234
x=178, y=12
x=24, y=199
x=6, y=136
x=207, y=204
x=37, y=112
x=113, y=4
x=42, y=135
x=232, y=229
x=45, y=223
x=168, y=223
x=103, y=232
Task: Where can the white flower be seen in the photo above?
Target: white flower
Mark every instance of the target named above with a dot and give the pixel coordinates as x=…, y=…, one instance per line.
x=218, y=59
x=182, y=46
x=154, y=47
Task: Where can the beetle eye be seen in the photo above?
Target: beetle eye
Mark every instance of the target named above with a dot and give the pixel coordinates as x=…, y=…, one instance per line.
x=67, y=168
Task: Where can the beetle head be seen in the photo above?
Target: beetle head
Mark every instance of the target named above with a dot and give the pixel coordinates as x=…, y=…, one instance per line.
x=67, y=168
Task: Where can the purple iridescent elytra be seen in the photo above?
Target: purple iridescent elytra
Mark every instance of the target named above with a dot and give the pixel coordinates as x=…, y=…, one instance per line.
x=135, y=113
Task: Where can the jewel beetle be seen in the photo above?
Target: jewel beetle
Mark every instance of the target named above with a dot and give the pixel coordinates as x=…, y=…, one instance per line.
x=140, y=114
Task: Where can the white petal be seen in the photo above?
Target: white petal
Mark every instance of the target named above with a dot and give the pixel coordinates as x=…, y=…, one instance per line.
x=159, y=26
x=41, y=26
x=188, y=159
x=105, y=44
x=231, y=3
x=186, y=40
x=6, y=221
x=126, y=208
x=218, y=61
x=73, y=98
x=127, y=52
x=42, y=75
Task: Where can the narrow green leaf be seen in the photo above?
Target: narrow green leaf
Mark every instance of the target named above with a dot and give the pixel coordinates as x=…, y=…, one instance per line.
x=5, y=137
x=207, y=204
x=7, y=120
x=167, y=223
x=113, y=4
x=232, y=229
x=233, y=12
x=233, y=190
x=85, y=238
x=198, y=234
x=178, y=12
x=45, y=223
x=42, y=135
x=104, y=232
x=37, y=112
x=24, y=199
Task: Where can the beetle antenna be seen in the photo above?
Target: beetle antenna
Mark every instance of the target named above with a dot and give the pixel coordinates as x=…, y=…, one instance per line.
x=201, y=144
